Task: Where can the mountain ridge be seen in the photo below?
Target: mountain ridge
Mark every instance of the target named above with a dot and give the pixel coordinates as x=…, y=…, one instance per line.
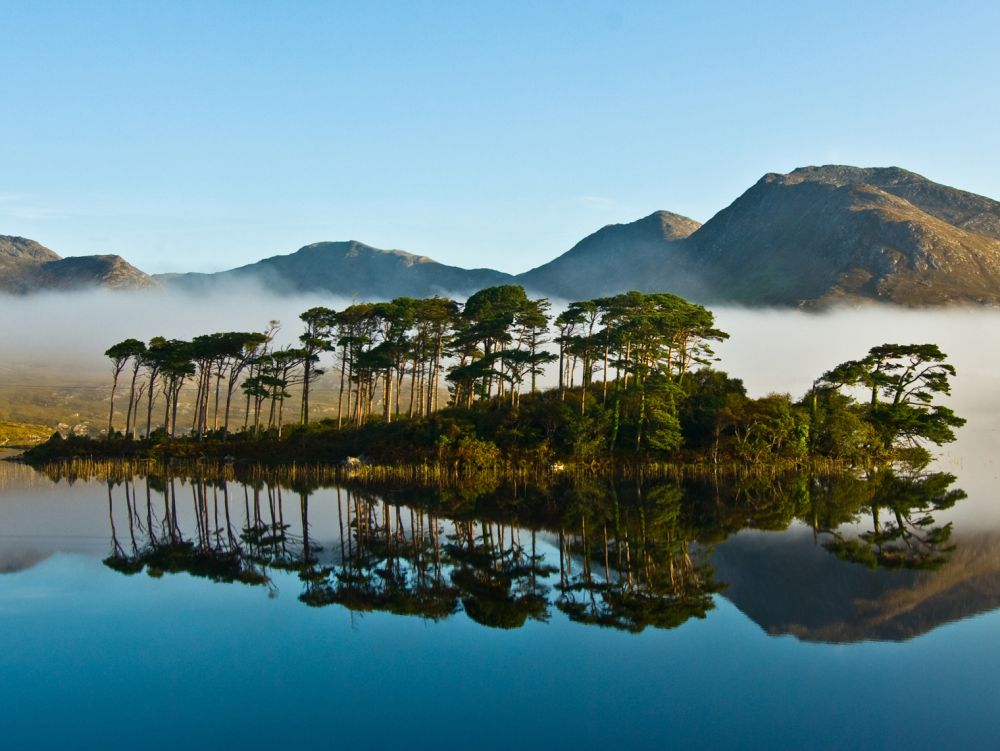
x=812, y=237
x=352, y=268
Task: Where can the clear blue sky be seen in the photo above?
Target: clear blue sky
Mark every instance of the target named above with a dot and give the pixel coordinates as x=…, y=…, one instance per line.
x=204, y=135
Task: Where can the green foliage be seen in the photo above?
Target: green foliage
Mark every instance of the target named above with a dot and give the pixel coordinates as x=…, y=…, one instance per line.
x=662, y=424
x=837, y=428
x=712, y=400
x=477, y=453
x=770, y=427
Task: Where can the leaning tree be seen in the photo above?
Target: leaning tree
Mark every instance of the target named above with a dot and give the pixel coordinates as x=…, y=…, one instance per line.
x=901, y=382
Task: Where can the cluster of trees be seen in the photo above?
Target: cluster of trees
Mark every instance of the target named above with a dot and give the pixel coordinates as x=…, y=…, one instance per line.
x=491, y=348
x=634, y=374
x=216, y=363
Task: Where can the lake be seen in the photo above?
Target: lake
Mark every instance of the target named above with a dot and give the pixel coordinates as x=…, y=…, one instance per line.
x=167, y=610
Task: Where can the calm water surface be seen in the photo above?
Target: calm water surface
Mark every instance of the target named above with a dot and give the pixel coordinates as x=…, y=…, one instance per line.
x=166, y=611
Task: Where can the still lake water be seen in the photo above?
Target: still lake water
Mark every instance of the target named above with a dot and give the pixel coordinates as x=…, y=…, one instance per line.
x=164, y=612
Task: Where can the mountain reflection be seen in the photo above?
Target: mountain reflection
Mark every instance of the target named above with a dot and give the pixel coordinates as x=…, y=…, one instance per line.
x=622, y=555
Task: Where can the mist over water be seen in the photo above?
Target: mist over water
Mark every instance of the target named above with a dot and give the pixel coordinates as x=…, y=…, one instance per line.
x=75, y=328
x=771, y=350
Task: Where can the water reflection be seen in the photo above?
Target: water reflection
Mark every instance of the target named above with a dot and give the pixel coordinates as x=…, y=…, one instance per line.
x=622, y=555
x=899, y=516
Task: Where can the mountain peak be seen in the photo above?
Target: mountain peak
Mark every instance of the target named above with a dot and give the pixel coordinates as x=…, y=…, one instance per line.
x=80, y=272
x=27, y=266
x=14, y=248
x=837, y=232
x=674, y=226
x=356, y=249
x=616, y=258
x=352, y=268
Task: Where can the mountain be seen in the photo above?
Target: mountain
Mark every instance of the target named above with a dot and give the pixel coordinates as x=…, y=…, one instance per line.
x=351, y=269
x=824, y=234
x=643, y=255
x=813, y=237
x=26, y=266
x=79, y=272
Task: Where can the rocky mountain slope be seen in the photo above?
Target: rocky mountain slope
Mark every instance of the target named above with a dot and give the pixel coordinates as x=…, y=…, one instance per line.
x=26, y=266
x=816, y=236
x=822, y=234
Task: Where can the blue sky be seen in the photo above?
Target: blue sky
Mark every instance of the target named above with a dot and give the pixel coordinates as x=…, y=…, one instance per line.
x=206, y=135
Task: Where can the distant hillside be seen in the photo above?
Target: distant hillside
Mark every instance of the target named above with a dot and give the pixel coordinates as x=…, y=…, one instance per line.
x=352, y=269
x=17, y=250
x=959, y=208
x=19, y=435
x=644, y=255
x=19, y=257
x=26, y=266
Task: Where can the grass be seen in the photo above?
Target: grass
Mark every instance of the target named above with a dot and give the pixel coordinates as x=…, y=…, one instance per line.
x=19, y=435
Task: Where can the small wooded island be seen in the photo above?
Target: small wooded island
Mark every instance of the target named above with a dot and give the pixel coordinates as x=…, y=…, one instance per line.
x=432, y=381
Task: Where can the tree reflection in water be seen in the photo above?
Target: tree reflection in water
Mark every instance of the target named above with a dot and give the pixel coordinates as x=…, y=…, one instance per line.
x=899, y=510
x=386, y=563
x=647, y=574
x=215, y=551
x=629, y=555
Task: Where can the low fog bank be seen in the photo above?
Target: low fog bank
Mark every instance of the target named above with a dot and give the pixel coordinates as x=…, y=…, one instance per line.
x=785, y=351
x=74, y=329
x=771, y=350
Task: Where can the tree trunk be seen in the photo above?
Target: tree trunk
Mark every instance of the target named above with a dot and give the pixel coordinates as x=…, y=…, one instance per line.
x=218, y=391
x=111, y=414
x=131, y=397
x=642, y=418
x=387, y=396
x=340, y=396
x=604, y=375
x=173, y=421
x=149, y=405
x=307, y=374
